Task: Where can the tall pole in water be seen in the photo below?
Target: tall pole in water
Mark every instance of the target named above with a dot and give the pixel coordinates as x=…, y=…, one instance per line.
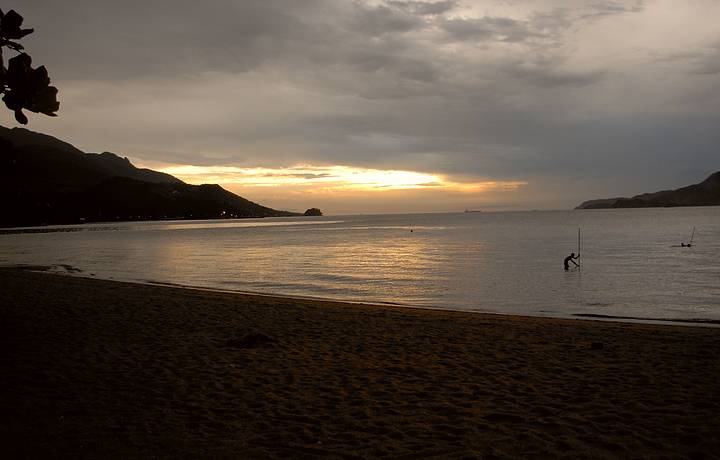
x=692, y=236
x=578, y=244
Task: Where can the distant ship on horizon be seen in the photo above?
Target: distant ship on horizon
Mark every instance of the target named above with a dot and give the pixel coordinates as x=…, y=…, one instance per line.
x=469, y=210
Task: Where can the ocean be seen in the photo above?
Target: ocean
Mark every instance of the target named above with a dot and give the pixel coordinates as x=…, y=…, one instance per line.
x=632, y=267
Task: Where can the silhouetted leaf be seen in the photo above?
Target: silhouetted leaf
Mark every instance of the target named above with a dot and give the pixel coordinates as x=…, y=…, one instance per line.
x=29, y=89
x=12, y=45
x=46, y=102
x=10, y=26
x=12, y=101
x=22, y=87
x=18, y=70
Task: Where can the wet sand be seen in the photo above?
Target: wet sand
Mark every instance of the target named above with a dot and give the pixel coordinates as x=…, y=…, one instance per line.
x=102, y=369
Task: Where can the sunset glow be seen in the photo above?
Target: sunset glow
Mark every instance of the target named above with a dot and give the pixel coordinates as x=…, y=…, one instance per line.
x=335, y=178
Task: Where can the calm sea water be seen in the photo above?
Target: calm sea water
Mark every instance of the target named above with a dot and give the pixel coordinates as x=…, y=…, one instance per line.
x=509, y=262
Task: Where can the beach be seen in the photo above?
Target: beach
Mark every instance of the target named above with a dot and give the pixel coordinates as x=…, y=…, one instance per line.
x=103, y=369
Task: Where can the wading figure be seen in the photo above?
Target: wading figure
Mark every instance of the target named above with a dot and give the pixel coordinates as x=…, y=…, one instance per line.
x=569, y=259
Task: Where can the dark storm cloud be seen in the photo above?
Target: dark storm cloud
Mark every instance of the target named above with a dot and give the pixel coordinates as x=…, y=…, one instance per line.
x=423, y=8
x=607, y=8
x=136, y=39
x=707, y=62
x=324, y=38
x=539, y=26
x=382, y=20
x=548, y=75
x=709, y=67
x=489, y=28
x=504, y=89
x=700, y=61
x=373, y=60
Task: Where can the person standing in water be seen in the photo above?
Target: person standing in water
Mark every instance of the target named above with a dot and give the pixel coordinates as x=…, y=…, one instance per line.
x=569, y=259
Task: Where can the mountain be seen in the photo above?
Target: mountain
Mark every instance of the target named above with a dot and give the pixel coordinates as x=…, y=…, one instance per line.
x=44, y=180
x=706, y=193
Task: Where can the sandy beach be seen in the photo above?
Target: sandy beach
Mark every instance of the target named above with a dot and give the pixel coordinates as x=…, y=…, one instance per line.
x=103, y=369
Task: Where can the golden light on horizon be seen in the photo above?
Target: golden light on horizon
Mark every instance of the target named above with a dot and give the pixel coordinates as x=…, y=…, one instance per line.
x=331, y=178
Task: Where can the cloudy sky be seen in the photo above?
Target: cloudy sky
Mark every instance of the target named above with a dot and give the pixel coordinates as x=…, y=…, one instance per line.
x=370, y=106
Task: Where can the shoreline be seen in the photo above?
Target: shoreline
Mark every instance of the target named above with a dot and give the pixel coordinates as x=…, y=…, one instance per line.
x=93, y=368
x=300, y=214
x=591, y=317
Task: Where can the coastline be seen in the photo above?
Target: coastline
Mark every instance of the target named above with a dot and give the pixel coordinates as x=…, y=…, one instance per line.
x=69, y=270
x=98, y=368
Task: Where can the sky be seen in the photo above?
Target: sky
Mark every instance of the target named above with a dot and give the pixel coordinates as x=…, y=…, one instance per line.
x=382, y=106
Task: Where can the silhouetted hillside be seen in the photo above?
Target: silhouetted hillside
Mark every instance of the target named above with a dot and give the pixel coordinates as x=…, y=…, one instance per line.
x=706, y=193
x=47, y=181
x=24, y=137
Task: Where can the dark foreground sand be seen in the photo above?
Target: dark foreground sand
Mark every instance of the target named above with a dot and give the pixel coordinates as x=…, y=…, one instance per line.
x=100, y=369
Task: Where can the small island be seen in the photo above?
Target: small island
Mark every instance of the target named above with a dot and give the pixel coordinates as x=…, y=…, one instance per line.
x=313, y=212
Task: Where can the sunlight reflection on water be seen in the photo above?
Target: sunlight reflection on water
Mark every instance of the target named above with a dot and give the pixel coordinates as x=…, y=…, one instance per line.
x=500, y=262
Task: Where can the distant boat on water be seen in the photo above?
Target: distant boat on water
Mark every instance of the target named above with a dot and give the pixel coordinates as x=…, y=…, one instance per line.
x=469, y=210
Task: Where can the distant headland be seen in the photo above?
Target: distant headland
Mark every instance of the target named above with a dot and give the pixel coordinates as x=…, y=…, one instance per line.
x=44, y=180
x=706, y=193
